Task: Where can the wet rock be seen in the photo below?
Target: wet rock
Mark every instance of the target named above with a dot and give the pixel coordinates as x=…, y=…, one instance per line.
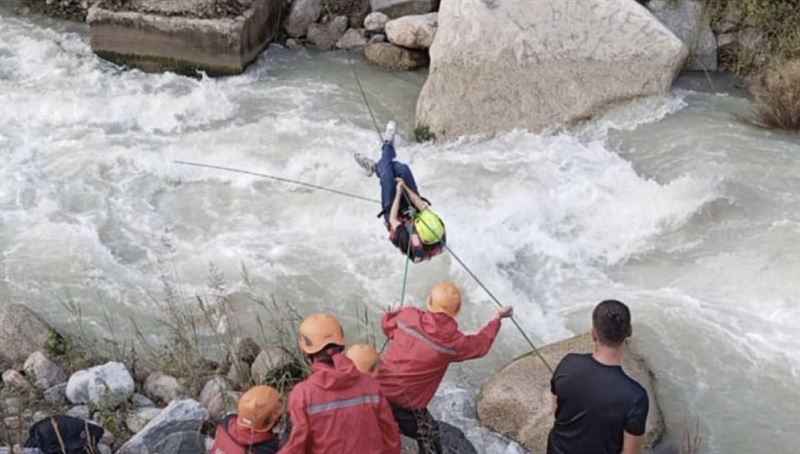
x=516, y=401
x=174, y=430
x=136, y=420
x=56, y=395
x=79, y=411
x=162, y=387
x=222, y=403
x=42, y=372
x=105, y=386
x=16, y=380
x=399, y=8
x=22, y=332
x=498, y=66
x=269, y=364
x=214, y=387
x=301, y=15
x=688, y=20
x=294, y=44
x=374, y=22
x=352, y=39
x=379, y=38
x=413, y=32
x=325, y=36
x=142, y=401
x=389, y=56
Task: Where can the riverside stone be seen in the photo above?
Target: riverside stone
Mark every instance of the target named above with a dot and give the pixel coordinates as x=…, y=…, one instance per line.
x=163, y=387
x=174, y=430
x=104, y=386
x=352, y=39
x=498, y=66
x=142, y=401
x=379, y=38
x=79, y=411
x=325, y=36
x=399, y=8
x=56, y=395
x=413, y=32
x=245, y=350
x=136, y=420
x=16, y=380
x=222, y=403
x=269, y=364
x=22, y=332
x=687, y=19
x=375, y=21
x=164, y=40
x=294, y=44
x=516, y=401
x=391, y=57
x=301, y=15
x=42, y=372
x=212, y=388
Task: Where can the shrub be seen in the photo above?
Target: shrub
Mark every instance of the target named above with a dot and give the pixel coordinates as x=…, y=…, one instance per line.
x=776, y=95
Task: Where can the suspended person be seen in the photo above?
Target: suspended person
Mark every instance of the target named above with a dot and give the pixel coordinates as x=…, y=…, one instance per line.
x=598, y=408
x=422, y=345
x=250, y=430
x=415, y=229
x=337, y=409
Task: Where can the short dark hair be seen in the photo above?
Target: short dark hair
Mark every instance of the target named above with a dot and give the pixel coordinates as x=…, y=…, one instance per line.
x=611, y=320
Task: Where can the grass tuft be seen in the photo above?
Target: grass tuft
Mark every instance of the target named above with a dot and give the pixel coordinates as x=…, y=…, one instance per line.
x=776, y=95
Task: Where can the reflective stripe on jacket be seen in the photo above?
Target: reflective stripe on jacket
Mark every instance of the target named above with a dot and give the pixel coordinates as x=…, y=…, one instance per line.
x=340, y=410
x=422, y=345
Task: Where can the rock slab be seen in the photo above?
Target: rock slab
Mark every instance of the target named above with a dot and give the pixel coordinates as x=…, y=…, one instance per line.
x=399, y=8
x=174, y=430
x=302, y=14
x=105, y=386
x=22, y=332
x=516, y=401
x=162, y=42
x=498, y=66
x=391, y=57
x=413, y=32
x=689, y=21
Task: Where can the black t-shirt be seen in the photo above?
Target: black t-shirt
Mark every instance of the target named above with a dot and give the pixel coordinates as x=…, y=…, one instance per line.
x=596, y=403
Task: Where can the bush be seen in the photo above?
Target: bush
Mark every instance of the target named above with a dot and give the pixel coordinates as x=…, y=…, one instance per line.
x=776, y=95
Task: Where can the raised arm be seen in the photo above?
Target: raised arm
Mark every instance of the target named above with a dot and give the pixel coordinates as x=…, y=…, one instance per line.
x=415, y=199
x=394, y=213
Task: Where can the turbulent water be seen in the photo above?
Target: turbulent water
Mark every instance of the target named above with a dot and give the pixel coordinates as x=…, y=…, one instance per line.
x=672, y=204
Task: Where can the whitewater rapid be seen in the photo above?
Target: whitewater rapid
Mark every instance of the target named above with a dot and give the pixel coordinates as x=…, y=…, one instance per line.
x=672, y=204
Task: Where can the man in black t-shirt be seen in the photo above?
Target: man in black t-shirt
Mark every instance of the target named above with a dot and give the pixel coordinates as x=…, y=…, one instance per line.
x=599, y=409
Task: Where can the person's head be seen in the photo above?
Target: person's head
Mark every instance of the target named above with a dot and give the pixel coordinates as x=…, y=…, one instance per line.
x=611, y=323
x=445, y=298
x=429, y=227
x=320, y=336
x=365, y=357
x=259, y=409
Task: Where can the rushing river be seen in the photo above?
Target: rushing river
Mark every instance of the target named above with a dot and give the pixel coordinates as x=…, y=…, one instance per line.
x=672, y=204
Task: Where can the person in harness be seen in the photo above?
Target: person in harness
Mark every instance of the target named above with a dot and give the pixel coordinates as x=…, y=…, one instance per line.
x=414, y=228
x=250, y=430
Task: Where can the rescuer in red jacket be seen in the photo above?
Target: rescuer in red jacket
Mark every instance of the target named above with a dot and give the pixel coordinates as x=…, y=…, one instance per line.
x=423, y=344
x=337, y=409
x=250, y=430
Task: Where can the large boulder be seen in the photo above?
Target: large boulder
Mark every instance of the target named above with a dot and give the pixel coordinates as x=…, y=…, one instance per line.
x=22, y=332
x=301, y=15
x=105, y=386
x=42, y=372
x=270, y=364
x=325, y=36
x=516, y=401
x=498, y=66
x=162, y=387
x=399, y=8
x=353, y=38
x=391, y=57
x=414, y=32
x=178, y=35
x=175, y=430
x=689, y=21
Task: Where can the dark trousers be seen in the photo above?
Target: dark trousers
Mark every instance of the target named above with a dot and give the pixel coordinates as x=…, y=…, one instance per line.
x=387, y=170
x=419, y=425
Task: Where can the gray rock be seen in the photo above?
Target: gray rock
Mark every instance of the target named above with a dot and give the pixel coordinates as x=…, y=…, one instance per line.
x=245, y=350
x=294, y=44
x=301, y=15
x=413, y=32
x=22, y=332
x=42, y=372
x=142, y=401
x=498, y=66
x=375, y=21
x=325, y=36
x=222, y=403
x=239, y=375
x=516, y=401
x=80, y=411
x=398, y=8
x=15, y=379
x=352, y=39
x=136, y=420
x=56, y=395
x=162, y=387
x=269, y=364
x=103, y=449
x=104, y=386
x=174, y=430
x=389, y=56
x=12, y=405
x=214, y=387
x=687, y=19
x=379, y=38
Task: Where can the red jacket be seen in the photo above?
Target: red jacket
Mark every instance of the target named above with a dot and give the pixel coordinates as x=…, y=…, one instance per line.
x=339, y=410
x=234, y=439
x=423, y=345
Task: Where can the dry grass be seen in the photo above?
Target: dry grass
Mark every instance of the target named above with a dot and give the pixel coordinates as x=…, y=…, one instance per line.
x=776, y=95
x=691, y=441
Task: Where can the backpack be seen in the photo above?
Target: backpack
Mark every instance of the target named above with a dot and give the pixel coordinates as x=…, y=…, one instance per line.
x=63, y=434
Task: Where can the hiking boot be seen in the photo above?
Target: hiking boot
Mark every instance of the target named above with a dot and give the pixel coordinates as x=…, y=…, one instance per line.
x=388, y=135
x=366, y=163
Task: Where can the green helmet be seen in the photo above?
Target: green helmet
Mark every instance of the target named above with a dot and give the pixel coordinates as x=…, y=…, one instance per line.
x=429, y=226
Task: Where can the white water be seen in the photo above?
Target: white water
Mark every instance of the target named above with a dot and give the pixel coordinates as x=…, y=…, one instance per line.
x=671, y=204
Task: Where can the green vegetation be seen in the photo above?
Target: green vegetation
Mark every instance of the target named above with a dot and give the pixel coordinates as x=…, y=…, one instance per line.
x=423, y=133
x=776, y=95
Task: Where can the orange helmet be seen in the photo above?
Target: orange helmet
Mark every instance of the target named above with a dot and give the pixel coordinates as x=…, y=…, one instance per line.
x=318, y=330
x=445, y=297
x=364, y=356
x=259, y=408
